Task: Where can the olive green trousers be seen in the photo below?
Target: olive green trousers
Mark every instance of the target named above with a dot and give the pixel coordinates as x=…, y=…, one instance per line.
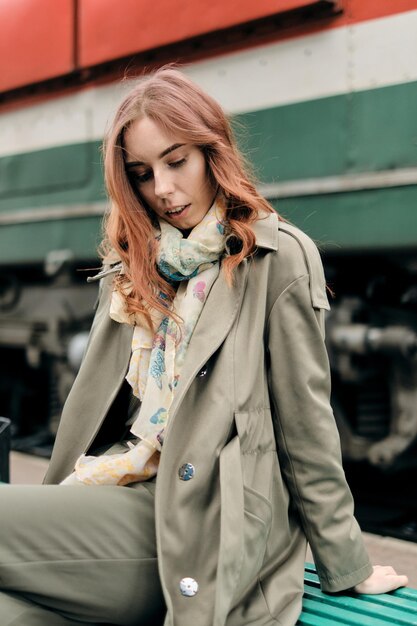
x=77, y=554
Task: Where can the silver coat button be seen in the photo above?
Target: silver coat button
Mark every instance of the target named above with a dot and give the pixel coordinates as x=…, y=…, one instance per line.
x=203, y=372
x=186, y=471
x=188, y=587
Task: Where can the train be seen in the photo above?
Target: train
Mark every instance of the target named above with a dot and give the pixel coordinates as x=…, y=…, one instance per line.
x=323, y=98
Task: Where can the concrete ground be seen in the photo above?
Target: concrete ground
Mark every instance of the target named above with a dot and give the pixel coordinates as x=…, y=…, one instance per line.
x=26, y=469
x=402, y=555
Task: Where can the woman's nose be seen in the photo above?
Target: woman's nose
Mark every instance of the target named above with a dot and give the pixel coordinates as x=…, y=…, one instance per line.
x=164, y=185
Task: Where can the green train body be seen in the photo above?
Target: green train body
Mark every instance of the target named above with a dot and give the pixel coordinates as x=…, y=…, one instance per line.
x=323, y=96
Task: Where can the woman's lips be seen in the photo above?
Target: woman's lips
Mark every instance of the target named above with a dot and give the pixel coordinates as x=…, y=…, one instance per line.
x=177, y=212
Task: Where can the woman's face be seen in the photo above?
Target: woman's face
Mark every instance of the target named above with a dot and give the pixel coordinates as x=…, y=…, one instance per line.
x=169, y=174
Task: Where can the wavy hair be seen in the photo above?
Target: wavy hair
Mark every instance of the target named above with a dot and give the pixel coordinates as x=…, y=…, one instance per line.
x=179, y=106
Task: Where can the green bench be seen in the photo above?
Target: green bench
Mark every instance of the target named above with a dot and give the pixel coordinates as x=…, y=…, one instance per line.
x=321, y=609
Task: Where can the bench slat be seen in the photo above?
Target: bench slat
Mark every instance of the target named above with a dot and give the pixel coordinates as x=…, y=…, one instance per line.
x=320, y=609
x=309, y=619
x=359, y=606
x=339, y=615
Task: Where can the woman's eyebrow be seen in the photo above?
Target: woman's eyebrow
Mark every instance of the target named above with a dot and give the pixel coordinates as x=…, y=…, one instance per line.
x=161, y=156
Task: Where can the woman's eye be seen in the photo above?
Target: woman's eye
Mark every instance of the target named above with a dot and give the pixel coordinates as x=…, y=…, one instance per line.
x=177, y=163
x=142, y=177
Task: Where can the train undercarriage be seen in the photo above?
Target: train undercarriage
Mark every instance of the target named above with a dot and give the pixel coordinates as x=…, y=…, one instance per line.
x=45, y=315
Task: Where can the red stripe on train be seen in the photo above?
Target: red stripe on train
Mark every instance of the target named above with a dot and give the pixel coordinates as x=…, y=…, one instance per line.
x=42, y=39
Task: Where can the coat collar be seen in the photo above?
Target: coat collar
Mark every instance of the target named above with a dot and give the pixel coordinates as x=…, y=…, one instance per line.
x=266, y=231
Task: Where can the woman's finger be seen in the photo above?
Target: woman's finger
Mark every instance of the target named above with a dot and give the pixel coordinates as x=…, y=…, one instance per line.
x=382, y=580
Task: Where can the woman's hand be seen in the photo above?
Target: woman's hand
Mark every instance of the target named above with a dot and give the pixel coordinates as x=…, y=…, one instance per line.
x=383, y=579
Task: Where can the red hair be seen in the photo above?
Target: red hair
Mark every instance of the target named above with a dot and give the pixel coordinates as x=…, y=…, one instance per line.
x=179, y=106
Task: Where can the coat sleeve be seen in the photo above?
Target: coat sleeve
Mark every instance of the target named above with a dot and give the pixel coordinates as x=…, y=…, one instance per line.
x=307, y=437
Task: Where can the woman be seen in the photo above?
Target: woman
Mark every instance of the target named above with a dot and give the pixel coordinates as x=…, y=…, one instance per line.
x=205, y=389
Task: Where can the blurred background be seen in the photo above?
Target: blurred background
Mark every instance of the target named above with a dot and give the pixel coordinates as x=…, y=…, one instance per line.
x=324, y=94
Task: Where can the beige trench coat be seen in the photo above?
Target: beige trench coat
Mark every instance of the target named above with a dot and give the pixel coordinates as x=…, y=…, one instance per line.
x=252, y=415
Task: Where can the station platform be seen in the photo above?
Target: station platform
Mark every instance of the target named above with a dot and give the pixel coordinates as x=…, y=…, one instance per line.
x=402, y=555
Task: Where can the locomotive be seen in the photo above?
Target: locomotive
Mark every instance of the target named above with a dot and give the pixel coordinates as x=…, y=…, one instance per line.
x=323, y=97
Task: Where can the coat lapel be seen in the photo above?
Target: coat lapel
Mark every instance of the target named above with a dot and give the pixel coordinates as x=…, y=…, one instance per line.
x=220, y=311
x=216, y=319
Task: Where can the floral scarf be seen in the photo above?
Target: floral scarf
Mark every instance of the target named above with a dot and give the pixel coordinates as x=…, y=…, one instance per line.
x=157, y=359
